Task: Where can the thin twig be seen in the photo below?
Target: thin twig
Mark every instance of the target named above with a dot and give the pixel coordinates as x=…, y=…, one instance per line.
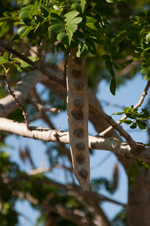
x=19, y=105
x=117, y=127
x=40, y=107
x=141, y=100
x=35, y=65
x=11, y=81
x=48, y=169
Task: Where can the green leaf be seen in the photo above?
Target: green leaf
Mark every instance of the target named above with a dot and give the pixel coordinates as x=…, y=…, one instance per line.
x=90, y=19
x=144, y=113
x=120, y=37
x=118, y=113
x=16, y=60
x=146, y=53
x=116, y=66
x=24, y=64
x=83, y=2
x=94, y=27
x=71, y=27
x=145, y=63
x=63, y=38
x=113, y=86
x=75, y=20
x=21, y=30
x=134, y=170
x=71, y=15
x=45, y=11
x=15, y=37
x=91, y=46
x=146, y=165
x=142, y=125
x=108, y=64
x=39, y=18
x=147, y=77
x=132, y=35
x=128, y=122
x=145, y=70
x=112, y=73
x=27, y=7
x=97, y=40
x=26, y=32
x=128, y=62
x=20, y=69
x=76, y=6
x=138, y=50
x=82, y=49
x=33, y=58
x=106, y=57
x=56, y=17
x=133, y=126
x=129, y=115
x=37, y=27
x=24, y=15
x=139, y=162
x=70, y=34
x=57, y=28
x=5, y=56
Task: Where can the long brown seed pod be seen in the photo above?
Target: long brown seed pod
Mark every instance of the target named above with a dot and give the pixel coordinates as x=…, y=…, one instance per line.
x=115, y=176
x=77, y=110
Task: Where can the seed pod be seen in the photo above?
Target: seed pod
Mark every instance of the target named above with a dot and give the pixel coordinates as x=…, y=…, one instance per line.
x=115, y=177
x=77, y=111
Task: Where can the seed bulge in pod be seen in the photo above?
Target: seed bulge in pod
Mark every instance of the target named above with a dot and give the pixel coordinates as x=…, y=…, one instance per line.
x=78, y=133
x=80, y=159
x=80, y=146
x=78, y=103
x=76, y=73
x=78, y=60
x=79, y=86
x=83, y=173
x=77, y=115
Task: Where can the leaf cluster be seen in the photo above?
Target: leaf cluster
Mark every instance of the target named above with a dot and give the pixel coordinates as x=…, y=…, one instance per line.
x=136, y=119
x=5, y=59
x=133, y=170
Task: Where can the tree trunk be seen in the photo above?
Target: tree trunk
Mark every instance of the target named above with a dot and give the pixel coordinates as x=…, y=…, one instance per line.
x=138, y=210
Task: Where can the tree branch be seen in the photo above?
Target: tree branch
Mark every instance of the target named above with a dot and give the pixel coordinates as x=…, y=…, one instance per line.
x=109, y=119
x=20, y=106
x=21, y=92
x=98, y=143
x=40, y=107
x=75, y=215
x=35, y=65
